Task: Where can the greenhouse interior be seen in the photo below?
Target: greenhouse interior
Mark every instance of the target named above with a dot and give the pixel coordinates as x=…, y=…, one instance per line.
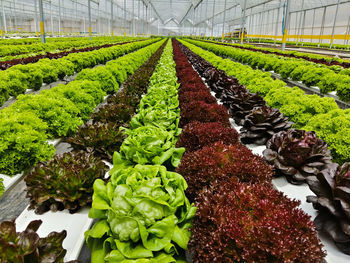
x=162, y=131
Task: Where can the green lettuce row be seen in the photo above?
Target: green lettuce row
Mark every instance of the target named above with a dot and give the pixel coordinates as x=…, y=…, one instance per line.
x=296, y=53
x=26, y=125
x=154, y=130
x=308, y=112
x=143, y=214
x=17, y=79
x=309, y=73
x=29, y=41
x=11, y=50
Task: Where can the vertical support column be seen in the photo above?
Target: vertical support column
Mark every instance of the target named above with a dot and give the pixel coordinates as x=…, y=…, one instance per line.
x=278, y=17
x=36, y=17
x=313, y=24
x=51, y=18
x=124, y=18
x=347, y=32
x=224, y=21
x=133, y=18
x=212, y=21
x=147, y=21
x=89, y=15
x=98, y=18
x=243, y=22
x=42, y=29
x=300, y=20
x=261, y=24
x=286, y=19
x=1, y=26
x=322, y=25
x=4, y=15
x=76, y=16
x=14, y=13
x=138, y=18
x=250, y=23
x=193, y=17
x=206, y=21
x=59, y=17
x=334, y=21
x=112, y=24
x=303, y=27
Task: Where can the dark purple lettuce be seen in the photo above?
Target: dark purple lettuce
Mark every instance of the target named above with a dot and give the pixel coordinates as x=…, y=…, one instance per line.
x=27, y=246
x=332, y=200
x=241, y=103
x=261, y=123
x=297, y=154
x=116, y=113
x=101, y=138
x=65, y=182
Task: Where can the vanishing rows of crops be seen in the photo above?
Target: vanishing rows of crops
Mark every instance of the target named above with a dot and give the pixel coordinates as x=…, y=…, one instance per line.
x=181, y=177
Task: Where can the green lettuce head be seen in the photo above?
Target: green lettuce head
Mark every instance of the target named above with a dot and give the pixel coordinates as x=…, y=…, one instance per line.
x=143, y=216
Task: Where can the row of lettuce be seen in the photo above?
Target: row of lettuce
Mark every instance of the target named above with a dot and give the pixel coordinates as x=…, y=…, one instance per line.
x=7, y=51
x=66, y=182
x=298, y=155
x=142, y=213
x=33, y=119
x=308, y=112
x=327, y=78
x=240, y=216
x=307, y=56
x=17, y=79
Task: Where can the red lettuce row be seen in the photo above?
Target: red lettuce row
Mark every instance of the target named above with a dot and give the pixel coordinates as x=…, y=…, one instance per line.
x=241, y=222
x=241, y=218
x=203, y=112
x=196, y=135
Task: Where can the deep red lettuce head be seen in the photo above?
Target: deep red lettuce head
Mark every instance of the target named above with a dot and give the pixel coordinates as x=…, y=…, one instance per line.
x=203, y=112
x=297, y=154
x=332, y=200
x=219, y=161
x=261, y=123
x=240, y=103
x=197, y=135
x=27, y=246
x=65, y=182
x=241, y=222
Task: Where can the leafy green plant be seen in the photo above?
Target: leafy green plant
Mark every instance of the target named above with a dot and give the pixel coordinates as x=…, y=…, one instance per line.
x=159, y=116
x=22, y=141
x=82, y=100
x=91, y=87
x=34, y=77
x=143, y=215
x=149, y=145
x=61, y=115
x=333, y=128
x=65, y=182
x=106, y=79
